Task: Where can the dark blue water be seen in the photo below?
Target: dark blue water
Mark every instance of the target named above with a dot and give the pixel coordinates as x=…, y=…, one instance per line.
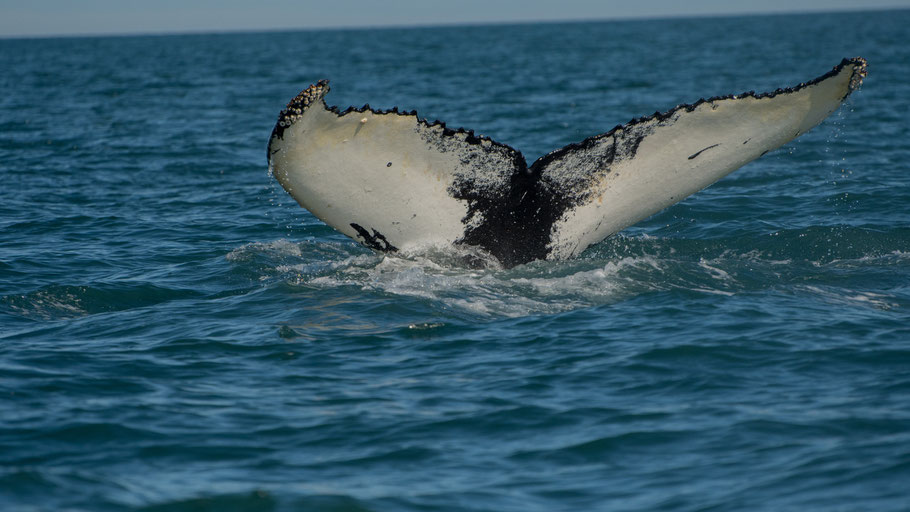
x=177, y=334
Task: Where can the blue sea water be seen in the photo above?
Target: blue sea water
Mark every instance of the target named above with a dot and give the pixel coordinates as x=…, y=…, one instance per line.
x=176, y=334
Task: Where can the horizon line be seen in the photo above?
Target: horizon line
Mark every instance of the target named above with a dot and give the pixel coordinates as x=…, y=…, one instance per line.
x=454, y=24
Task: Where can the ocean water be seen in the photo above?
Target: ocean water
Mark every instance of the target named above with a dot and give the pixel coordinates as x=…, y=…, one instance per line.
x=176, y=334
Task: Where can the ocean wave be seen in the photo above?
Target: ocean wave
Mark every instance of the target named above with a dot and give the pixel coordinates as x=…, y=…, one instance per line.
x=60, y=302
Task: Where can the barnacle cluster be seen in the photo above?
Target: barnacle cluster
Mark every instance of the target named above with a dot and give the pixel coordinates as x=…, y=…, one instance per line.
x=299, y=104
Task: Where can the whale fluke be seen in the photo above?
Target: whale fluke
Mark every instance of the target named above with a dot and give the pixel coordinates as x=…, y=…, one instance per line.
x=394, y=181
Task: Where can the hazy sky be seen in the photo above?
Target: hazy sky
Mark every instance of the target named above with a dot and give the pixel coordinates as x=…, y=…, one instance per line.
x=64, y=17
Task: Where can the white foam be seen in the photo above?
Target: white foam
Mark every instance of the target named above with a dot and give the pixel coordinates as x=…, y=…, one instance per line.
x=714, y=271
x=546, y=288
x=854, y=297
x=439, y=276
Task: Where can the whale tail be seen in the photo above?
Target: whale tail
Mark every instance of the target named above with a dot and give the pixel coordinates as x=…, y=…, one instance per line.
x=394, y=181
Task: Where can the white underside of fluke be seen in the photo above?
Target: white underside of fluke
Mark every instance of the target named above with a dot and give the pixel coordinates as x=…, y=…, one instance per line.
x=370, y=170
x=394, y=182
x=688, y=152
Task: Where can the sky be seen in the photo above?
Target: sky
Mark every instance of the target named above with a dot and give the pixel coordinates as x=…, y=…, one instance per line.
x=78, y=17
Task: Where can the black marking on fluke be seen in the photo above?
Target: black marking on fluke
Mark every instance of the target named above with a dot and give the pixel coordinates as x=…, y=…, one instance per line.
x=692, y=157
x=515, y=224
x=375, y=241
x=508, y=217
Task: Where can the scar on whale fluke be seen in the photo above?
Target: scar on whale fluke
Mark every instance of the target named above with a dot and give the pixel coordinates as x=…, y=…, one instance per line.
x=394, y=181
